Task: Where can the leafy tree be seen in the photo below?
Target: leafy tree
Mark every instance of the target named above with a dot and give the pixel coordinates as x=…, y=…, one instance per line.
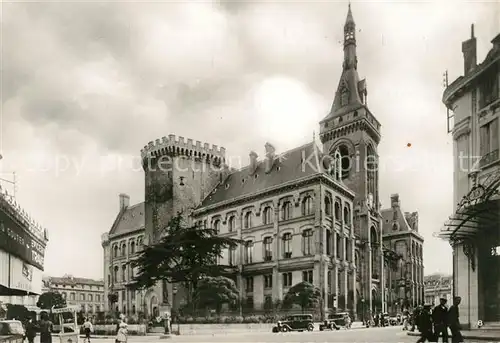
x=215, y=291
x=184, y=254
x=49, y=300
x=303, y=294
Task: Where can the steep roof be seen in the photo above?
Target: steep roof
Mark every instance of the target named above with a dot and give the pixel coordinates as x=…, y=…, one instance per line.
x=73, y=281
x=289, y=166
x=406, y=222
x=129, y=220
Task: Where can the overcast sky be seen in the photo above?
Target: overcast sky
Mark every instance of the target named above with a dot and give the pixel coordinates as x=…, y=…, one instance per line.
x=90, y=83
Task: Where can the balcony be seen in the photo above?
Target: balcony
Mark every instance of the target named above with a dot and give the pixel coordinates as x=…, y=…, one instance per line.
x=489, y=158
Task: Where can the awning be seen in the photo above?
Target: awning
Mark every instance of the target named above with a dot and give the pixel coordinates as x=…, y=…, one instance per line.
x=475, y=207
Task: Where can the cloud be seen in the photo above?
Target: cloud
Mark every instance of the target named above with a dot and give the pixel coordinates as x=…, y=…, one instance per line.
x=88, y=84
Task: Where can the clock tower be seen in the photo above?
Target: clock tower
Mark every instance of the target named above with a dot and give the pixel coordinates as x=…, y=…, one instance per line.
x=352, y=131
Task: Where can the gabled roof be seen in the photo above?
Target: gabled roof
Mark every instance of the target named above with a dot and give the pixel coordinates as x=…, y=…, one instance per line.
x=129, y=220
x=287, y=167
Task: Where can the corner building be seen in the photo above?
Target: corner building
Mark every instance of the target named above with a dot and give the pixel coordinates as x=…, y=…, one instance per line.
x=311, y=213
x=473, y=228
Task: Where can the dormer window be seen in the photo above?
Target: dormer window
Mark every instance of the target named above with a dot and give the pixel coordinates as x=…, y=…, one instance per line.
x=395, y=227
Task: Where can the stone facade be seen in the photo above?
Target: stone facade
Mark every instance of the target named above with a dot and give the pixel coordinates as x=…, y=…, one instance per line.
x=404, y=279
x=87, y=293
x=438, y=286
x=472, y=230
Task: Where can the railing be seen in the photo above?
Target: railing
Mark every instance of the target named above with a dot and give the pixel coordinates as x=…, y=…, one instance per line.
x=489, y=158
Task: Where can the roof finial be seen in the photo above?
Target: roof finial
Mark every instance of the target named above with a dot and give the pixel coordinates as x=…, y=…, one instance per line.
x=472, y=31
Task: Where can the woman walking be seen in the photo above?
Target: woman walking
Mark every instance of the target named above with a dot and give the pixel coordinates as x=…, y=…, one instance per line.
x=121, y=336
x=45, y=328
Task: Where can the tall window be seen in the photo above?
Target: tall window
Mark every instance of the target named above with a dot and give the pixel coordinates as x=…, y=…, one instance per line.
x=268, y=249
x=115, y=274
x=115, y=251
x=132, y=247
x=348, y=251
x=339, y=246
x=347, y=215
x=328, y=242
x=268, y=281
x=307, y=276
x=248, y=252
x=287, y=245
x=217, y=225
x=307, y=206
x=124, y=249
x=287, y=279
x=345, y=162
x=232, y=224
x=286, y=211
x=267, y=217
x=338, y=212
x=124, y=273
x=489, y=138
x=328, y=206
x=372, y=173
x=307, y=242
x=249, y=284
x=489, y=87
x=248, y=220
x=232, y=256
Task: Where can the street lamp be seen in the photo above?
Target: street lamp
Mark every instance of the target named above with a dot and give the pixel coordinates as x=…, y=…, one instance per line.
x=174, y=293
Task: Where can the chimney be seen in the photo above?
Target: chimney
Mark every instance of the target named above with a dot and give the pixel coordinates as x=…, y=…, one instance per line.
x=224, y=173
x=124, y=201
x=395, y=200
x=270, y=150
x=253, y=162
x=469, y=49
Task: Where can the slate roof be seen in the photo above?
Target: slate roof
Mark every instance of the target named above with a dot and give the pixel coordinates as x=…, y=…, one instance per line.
x=287, y=167
x=388, y=221
x=129, y=220
x=73, y=281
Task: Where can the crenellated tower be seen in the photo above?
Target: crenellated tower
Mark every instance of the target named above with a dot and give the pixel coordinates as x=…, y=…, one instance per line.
x=352, y=132
x=179, y=173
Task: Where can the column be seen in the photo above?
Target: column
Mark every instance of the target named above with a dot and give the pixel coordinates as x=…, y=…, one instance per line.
x=335, y=271
x=276, y=255
x=346, y=271
x=369, y=280
x=240, y=264
x=354, y=289
x=382, y=276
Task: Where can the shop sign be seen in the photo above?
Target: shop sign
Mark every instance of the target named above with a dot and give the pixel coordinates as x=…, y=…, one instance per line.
x=25, y=277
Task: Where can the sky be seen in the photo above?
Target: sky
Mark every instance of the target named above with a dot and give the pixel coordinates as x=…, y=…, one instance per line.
x=85, y=85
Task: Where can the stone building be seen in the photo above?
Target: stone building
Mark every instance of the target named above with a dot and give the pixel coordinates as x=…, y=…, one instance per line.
x=311, y=213
x=405, y=279
x=121, y=244
x=87, y=293
x=438, y=286
x=472, y=229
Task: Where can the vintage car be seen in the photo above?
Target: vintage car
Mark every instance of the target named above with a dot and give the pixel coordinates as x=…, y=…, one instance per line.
x=11, y=331
x=298, y=322
x=331, y=322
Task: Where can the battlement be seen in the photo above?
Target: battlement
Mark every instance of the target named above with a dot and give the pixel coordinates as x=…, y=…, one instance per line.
x=176, y=146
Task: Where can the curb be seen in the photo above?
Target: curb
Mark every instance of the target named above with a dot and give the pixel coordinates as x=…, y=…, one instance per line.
x=468, y=336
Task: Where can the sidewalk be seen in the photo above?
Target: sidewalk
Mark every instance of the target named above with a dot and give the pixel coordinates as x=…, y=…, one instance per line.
x=480, y=335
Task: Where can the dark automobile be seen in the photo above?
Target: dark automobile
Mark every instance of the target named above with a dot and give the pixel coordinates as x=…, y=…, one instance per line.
x=339, y=319
x=330, y=324
x=298, y=322
x=11, y=331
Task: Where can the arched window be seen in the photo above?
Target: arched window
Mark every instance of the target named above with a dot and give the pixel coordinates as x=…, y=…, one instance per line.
x=375, y=244
x=124, y=273
x=232, y=224
x=115, y=251
x=372, y=172
x=328, y=242
x=338, y=213
x=115, y=274
x=286, y=210
x=232, y=256
x=356, y=259
x=132, y=247
x=267, y=217
x=249, y=252
x=337, y=170
x=287, y=245
x=339, y=246
x=248, y=220
x=345, y=162
x=347, y=215
x=307, y=242
x=268, y=249
x=217, y=225
x=124, y=249
x=307, y=206
x=328, y=206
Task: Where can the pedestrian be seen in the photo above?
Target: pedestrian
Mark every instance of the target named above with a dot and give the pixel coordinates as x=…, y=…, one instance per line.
x=424, y=324
x=46, y=328
x=454, y=321
x=440, y=320
x=347, y=321
x=121, y=336
x=415, y=315
x=87, y=329
x=30, y=330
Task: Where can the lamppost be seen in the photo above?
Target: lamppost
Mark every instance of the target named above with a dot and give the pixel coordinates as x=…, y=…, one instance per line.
x=174, y=293
x=363, y=311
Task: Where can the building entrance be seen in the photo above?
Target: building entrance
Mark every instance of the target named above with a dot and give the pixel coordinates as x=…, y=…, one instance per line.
x=490, y=276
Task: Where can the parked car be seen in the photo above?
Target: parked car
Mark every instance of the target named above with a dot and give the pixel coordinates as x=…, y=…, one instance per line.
x=329, y=323
x=12, y=328
x=339, y=319
x=298, y=322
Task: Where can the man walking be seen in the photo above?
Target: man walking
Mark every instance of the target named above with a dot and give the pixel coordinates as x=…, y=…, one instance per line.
x=454, y=321
x=424, y=324
x=440, y=319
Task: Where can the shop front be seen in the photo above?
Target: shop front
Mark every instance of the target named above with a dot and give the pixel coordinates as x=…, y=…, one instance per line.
x=18, y=278
x=473, y=232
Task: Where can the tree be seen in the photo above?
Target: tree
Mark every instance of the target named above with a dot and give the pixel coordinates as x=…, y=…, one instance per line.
x=216, y=291
x=19, y=312
x=303, y=294
x=185, y=254
x=49, y=300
